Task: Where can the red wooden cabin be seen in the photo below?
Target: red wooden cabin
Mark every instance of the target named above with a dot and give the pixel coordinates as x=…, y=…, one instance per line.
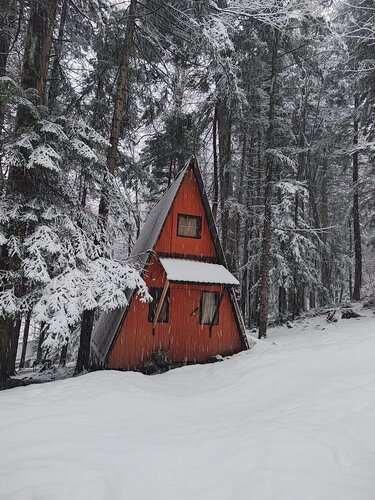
x=194, y=314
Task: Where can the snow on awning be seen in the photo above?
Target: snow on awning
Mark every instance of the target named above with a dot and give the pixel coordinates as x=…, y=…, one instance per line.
x=193, y=271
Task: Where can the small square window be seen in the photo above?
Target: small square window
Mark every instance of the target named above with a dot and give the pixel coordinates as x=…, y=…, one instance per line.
x=209, y=308
x=189, y=226
x=164, y=313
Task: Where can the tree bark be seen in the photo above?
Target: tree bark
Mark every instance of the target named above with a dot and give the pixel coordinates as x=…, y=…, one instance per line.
x=34, y=75
x=54, y=79
x=9, y=332
x=122, y=87
x=25, y=339
x=215, y=201
x=64, y=353
x=5, y=40
x=299, y=288
x=83, y=360
x=324, y=217
x=267, y=232
x=42, y=337
x=117, y=119
x=225, y=176
x=356, y=218
x=36, y=56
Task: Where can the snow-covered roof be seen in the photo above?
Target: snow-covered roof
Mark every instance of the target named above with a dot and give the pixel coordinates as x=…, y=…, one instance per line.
x=108, y=322
x=155, y=220
x=194, y=271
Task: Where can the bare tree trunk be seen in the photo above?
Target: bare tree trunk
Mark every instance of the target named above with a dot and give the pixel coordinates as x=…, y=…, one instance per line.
x=324, y=216
x=54, y=85
x=350, y=277
x=267, y=232
x=83, y=360
x=246, y=275
x=299, y=288
x=215, y=201
x=356, y=221
x=36, y=57
x=64, y=353
x=25, y=339
x=226, y=187
x=5, y=327
x=42, y=337
x=239, y=191
x=122, y=87
x=34, y=75
x=5, y=40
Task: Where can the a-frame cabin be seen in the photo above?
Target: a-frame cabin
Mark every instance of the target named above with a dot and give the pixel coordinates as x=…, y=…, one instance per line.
x=194, y=314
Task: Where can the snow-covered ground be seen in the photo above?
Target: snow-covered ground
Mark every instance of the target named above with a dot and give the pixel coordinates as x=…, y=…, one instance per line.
x=292, y=419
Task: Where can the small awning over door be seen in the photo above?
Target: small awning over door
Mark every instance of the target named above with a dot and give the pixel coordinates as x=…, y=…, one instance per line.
x=193, y=271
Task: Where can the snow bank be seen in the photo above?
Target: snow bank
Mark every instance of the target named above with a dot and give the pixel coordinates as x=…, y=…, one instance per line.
x=292, y=419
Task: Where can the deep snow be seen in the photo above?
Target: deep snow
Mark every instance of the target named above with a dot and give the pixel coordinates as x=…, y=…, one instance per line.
x=292, y=419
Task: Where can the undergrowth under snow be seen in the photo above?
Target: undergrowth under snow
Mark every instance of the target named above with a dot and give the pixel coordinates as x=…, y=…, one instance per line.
x=292, y=419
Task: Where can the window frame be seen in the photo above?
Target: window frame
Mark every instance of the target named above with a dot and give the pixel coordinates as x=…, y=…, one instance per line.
x=154, y=305
x=217, y=309
x=198, y=218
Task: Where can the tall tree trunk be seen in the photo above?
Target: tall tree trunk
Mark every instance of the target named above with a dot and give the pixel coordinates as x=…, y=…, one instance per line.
x=36, y=57
x=267, y=232
x=9, y=332
x=299, y=288
x=64, y=353
x=25, y=339
x=324, y=217
x=122, y=88
x=225, y=176
x=215, y=201
x=246, y=275
x=239, y=191
x=5, y=40
x=42, y=337
x=34, y=76
x=83, y=360
x=350, y=274
x=224, y=129
x=54, y=85
x=356, y=222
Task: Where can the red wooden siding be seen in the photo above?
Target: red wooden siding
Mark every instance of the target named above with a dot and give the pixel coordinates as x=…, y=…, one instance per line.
x=188, y=201
x=183, y=335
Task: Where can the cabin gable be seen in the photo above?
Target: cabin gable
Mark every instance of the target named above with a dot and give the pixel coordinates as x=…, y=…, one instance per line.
x=188, y=202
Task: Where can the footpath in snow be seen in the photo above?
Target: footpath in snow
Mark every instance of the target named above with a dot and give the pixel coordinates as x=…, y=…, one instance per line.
x=292, y=419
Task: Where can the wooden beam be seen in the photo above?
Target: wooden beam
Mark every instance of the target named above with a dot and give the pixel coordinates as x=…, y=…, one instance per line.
x=160, y=305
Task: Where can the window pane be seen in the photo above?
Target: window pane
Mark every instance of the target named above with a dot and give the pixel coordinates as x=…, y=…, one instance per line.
x=164, y=313
x=189, y=226
x=209, y=303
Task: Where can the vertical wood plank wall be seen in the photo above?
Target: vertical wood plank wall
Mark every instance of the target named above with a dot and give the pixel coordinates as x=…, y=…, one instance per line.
x=183, y=335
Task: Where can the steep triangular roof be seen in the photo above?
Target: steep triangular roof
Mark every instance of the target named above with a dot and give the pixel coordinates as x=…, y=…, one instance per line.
x=109, y=323
x=155, y=221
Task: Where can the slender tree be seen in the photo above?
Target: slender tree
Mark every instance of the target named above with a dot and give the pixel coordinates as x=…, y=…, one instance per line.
x=267, y=231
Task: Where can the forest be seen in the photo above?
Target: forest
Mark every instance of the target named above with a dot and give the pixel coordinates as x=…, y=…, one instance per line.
x=102, y=103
